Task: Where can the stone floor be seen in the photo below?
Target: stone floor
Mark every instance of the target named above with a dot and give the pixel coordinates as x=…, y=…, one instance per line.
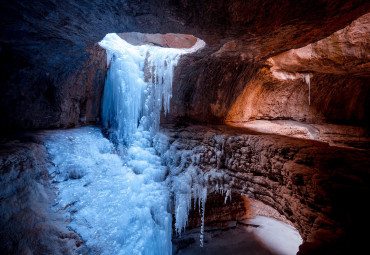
x=260, y=236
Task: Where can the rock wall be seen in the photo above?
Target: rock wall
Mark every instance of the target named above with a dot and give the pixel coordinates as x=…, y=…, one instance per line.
x=204, y=87
x=81, y=96
x=319, y=188
x=218, y=212
x=333, y=98
x=344, y=52
x=336, y=91
x=216, y=87
x=67, y=96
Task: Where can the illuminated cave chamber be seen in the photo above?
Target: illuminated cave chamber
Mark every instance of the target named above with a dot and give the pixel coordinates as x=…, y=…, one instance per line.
x=128, y=203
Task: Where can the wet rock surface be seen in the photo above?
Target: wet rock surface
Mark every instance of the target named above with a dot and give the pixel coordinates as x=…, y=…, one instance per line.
x=309, y=182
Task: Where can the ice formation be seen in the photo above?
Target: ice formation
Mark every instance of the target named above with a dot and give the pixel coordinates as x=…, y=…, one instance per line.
x=117, y=192
x=118, y=205
x=188, y=178
x=306, y=78
x=138, y=85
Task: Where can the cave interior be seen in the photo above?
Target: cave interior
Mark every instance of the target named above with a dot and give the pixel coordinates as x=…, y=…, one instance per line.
x=247, y=110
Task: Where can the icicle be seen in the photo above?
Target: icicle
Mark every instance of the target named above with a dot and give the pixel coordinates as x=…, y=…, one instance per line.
x=306, y=78
x=228, y=194
x=203, y=209
x=109, y=57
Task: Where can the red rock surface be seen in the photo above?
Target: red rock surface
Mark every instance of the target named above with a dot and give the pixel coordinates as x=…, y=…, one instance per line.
x=339, y=70
x=217, y=212
x=334, y=98
x=162, y=40
x=334, y=135
x=216, y=87
x=80, y=99
x=346, y=51
x=321, y=189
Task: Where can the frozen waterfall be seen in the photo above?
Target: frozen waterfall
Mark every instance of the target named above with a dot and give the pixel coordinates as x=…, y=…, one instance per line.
x=117, y=192
x=138, y=85
x=117, y=205
x=120, y=194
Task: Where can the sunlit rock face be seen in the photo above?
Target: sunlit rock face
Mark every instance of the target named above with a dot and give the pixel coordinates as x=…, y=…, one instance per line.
x=344, y=52
x=333, y=98
x=47, y=49
x=336, y=90
x=325, y=81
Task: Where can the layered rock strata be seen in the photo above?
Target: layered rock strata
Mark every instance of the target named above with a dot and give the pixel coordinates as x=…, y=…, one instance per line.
x=321, y=189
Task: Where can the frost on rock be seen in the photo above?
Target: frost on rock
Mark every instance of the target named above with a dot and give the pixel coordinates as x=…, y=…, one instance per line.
x=281, y=238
